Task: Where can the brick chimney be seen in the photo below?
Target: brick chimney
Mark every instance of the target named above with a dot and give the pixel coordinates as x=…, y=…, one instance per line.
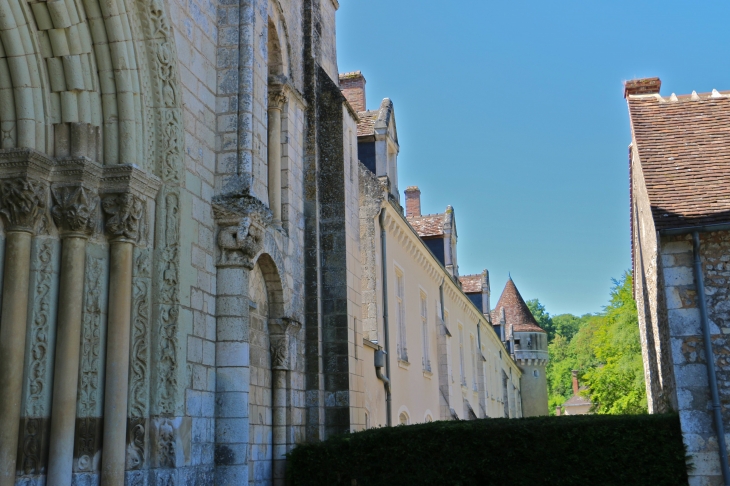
x=352, y=86
x=642, y=86
x=575, y=382
x=413, y=201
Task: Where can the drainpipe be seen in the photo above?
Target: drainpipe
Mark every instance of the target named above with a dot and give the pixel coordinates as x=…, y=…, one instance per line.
x=710, y=360
x=386, y=335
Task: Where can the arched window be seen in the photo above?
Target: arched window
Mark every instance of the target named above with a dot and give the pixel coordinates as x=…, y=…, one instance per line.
x=277, y=100
x=428, y=418
x=403, y=419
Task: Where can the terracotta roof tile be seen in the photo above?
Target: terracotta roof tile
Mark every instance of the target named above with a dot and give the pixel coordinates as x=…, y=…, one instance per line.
x=366, y=125
x=428, y=224
x=684, y=148
x=516, y=312
x=471, y=284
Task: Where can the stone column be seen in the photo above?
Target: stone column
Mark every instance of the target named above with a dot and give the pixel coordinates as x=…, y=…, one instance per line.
x=242, y=223
x=124, y=214
x=21, y=204
x=73, y=213
x=281, y=331
x=276, y=104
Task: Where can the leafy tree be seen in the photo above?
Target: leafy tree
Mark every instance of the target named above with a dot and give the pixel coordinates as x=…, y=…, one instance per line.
x=617, y=385
x=606, y=350
x=567, y=325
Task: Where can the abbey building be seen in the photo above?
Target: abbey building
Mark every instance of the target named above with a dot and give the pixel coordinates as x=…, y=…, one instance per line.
x=189, y=276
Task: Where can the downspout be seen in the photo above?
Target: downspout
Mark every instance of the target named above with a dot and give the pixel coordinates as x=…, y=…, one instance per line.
x=381, y=356
x=710, y=360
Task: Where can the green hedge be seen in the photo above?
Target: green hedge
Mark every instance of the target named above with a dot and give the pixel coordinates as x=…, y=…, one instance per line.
x=581, y=450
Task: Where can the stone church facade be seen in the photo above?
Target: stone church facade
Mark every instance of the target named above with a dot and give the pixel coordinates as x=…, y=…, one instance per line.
x=174, y=182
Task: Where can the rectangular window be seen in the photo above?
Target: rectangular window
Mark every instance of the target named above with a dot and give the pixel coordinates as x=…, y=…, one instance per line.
x=400, y=315
x=449, y=366
x=473, y=362
x=424, y=332
x=461, y=356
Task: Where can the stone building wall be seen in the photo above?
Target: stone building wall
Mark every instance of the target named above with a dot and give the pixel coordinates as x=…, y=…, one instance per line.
x=693, y=395
x=650, y=304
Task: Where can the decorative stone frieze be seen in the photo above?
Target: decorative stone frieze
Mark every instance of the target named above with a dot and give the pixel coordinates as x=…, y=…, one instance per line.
x=242, y=222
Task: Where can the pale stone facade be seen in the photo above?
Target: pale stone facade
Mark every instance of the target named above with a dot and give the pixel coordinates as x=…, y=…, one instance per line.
x=443, y=360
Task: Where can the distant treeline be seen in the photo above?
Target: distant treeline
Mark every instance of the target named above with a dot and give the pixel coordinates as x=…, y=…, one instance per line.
x=604, y=347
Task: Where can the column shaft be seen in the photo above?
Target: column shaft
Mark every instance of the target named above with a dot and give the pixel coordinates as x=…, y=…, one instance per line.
x=117, y=364
x=12, y=347
x=66, y=370
x=280, y=442
x=274, y=151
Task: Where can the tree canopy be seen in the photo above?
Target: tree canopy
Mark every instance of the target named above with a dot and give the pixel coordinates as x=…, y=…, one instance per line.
x=604, y=347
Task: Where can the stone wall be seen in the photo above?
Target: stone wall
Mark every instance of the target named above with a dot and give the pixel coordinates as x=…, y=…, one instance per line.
x=693, y=395
x=652, y=313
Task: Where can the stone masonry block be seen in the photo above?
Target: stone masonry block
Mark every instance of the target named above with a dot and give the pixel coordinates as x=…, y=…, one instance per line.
x=232, y=405
x=684, y=322
x=678, y=276
x=230, y=306
x=677, y=247
x=231, y=281
x=230, y=329
x=232, y=379
x=696, y=422
x=231, y=430
x=705, y=463
x=232, y=354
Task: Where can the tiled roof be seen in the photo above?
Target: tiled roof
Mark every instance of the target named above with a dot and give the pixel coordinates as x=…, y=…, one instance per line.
x=516, y=312
x=366, y=125
x=471, y=284
x=428, y=224
x=577, y=400
x=683, y=144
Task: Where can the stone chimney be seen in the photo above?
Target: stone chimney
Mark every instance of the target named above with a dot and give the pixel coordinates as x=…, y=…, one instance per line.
x=575, y=382
x=643, y=86
x=352, y=86
x=558, y=410
x=413, y=201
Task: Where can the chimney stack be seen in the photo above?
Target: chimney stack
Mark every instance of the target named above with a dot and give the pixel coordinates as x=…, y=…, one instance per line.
x=352, y=86
x=413, y=201
x=575, y=383
x=643, y=86
x=558, y=410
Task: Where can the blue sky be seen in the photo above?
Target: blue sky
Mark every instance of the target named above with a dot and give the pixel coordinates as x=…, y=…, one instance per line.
x=513, y=113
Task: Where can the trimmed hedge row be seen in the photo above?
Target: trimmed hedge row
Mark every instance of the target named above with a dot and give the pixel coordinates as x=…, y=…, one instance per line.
x=580, y=450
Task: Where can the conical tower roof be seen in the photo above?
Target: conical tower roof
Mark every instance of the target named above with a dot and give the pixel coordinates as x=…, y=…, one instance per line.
x=516, y=312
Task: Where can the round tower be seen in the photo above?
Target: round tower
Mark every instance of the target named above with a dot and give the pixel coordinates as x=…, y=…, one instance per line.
x=528, y=345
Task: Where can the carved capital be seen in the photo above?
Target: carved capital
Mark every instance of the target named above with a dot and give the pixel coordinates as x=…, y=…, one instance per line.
x=279, y=352
x=277, y=99
x=22, y=201
x=74, y=210
x=242, y=221
x=240, y=244
x=125, y=213
x=281, y=332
